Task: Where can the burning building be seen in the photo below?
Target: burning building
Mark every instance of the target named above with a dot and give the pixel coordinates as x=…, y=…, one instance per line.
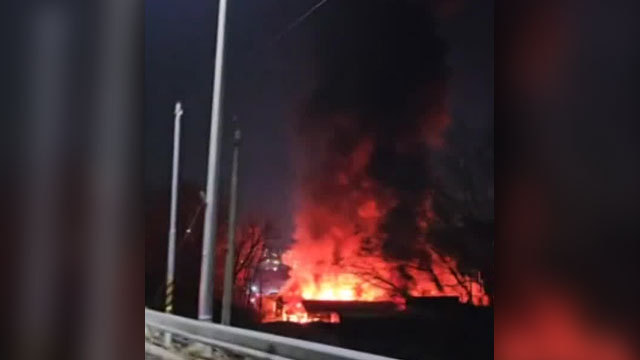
x=365, y=194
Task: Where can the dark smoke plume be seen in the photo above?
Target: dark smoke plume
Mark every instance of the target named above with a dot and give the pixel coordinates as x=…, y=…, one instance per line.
x=381, y=76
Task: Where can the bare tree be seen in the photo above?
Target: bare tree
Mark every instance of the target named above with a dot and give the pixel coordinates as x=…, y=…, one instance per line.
x=250, y=246
x=398, y=280
x=462, y=197
x=373, y=276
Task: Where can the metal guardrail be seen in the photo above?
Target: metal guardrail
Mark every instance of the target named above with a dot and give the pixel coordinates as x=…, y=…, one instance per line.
x=251, y=343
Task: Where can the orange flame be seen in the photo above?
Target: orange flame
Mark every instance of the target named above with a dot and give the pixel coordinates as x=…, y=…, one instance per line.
x=337, y=253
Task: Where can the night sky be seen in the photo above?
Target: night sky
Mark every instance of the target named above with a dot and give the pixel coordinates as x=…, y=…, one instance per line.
x=271, y=78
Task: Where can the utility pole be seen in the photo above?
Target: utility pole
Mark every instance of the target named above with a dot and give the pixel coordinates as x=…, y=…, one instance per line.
x=260, y=268
x=227, y=297
x=171, y=252
x=205, y=299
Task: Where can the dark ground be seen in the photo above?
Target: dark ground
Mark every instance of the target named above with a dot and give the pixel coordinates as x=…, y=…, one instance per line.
x=466, y=333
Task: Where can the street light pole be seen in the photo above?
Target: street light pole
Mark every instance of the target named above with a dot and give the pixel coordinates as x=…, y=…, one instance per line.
x=171, y=251
x=171, y=256
x=205, y=300
x=227, y=297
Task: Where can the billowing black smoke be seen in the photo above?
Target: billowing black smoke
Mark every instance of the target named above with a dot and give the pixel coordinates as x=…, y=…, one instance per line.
x=381, y=75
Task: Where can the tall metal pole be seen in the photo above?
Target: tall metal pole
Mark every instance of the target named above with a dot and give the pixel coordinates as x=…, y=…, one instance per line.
x=227, y=297
x=171, y=256
x=171, y=251
x=205, y=300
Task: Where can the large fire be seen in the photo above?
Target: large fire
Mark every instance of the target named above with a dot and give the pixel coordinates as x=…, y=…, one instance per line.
x=338, y=249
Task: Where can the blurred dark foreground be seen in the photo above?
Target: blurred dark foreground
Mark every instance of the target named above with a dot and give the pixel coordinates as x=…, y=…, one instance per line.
x=72, y=255
x=568, y=165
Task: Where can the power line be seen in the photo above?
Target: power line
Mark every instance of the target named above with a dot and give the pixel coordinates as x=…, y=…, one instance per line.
x=298, y=21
